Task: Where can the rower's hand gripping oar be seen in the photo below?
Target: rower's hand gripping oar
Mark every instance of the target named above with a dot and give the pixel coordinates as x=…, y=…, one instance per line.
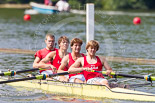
x=35, y=77
x=146, y=77
x=12, y=73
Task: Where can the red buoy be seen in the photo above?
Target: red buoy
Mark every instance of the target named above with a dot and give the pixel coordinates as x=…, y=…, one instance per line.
x=136, y=20
x=27, y=17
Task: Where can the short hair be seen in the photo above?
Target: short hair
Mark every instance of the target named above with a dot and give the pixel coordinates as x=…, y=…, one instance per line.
x=49, y=35
x=93, y=44
x=63, y=38
x=76, y=40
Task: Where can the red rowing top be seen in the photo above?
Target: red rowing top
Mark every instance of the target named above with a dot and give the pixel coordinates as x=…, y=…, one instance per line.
x=57, y=61
x=42, y=54
x=71, y=61
x=97, y=66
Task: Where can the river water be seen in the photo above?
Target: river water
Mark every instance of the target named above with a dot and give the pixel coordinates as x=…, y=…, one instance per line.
x=116, y=34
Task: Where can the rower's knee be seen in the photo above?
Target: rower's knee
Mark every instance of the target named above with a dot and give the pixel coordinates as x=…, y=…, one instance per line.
x=105, y=82
x=76, y=80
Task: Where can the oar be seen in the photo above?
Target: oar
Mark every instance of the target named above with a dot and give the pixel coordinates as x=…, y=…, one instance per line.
x=12, y=73
x=146, y=77
x=35, y=77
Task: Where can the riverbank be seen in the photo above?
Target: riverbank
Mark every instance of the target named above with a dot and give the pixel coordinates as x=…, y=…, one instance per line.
x=17, y=6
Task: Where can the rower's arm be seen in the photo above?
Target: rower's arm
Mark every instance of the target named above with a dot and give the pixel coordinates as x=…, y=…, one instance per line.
x=64, y=64
x=106, y=66
x=75, y=68
x=61, y=68
x=43, y=62
x=36, y=62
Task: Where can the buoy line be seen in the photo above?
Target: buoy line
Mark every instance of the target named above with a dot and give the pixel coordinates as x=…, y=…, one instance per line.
x=109, y=58
x=126, y=13
x=16, y=51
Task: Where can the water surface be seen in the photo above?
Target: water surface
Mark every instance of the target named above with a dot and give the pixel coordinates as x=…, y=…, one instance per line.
x=116, y=34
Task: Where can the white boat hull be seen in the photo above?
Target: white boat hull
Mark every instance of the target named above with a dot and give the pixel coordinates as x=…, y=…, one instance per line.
x=43, y=9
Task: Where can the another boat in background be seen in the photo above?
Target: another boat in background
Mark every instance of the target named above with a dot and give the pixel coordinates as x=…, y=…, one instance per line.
x=41, y=8
x=31, y=12
x=45, y=9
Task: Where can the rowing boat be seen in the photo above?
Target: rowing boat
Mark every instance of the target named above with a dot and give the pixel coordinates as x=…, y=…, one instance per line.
x=82, y=90
x=43, y=9
x=85, y=90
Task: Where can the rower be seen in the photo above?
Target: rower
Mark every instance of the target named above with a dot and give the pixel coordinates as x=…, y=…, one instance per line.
x=69, y=59
x=92, y=62
x=48, y=2
x=55, y=57
x=62, y=5
x=40, y=54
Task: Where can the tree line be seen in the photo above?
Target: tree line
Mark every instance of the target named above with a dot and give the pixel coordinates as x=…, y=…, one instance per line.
x=99, y=4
